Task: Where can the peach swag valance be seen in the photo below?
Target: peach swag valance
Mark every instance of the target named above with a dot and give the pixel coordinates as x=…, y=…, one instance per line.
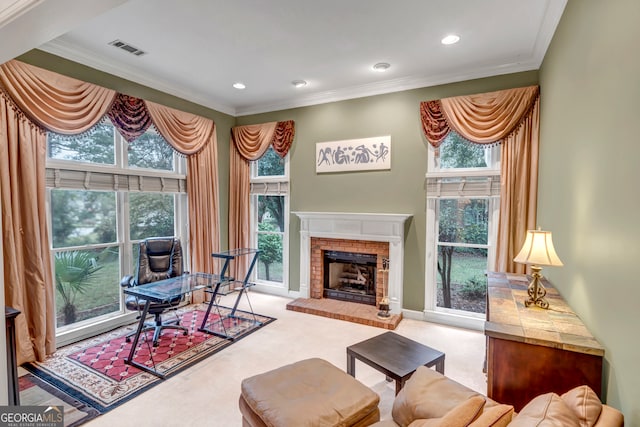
x=512, y=118
x=484, y=118
x=252, y=141
x=34, y=96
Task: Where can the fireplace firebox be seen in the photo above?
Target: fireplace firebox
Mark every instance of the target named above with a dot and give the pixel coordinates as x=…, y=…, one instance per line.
x=350, y=276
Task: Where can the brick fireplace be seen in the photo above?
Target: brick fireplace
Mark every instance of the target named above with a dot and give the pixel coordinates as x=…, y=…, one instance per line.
x=321, y=245
x=368, y=233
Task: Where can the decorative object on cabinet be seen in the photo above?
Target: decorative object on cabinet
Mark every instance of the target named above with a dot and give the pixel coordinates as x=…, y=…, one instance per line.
x=538, y=251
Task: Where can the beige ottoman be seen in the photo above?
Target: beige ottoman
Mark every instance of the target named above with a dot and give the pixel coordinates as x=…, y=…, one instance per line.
x=311, y=392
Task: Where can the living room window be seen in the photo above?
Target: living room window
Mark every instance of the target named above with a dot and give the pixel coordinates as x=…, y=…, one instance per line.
x=463, y=188
x=270, y=218
x=105, y=195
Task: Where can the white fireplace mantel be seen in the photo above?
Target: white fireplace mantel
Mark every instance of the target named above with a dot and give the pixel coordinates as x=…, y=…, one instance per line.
x=378, y=227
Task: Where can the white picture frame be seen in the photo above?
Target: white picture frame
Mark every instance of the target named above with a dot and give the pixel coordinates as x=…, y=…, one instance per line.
x=363, y=154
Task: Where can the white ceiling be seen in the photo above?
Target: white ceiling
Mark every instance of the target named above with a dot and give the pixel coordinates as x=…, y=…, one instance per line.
x=196, y=49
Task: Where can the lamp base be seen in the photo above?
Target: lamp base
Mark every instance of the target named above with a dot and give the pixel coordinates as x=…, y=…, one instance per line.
x=536, y=290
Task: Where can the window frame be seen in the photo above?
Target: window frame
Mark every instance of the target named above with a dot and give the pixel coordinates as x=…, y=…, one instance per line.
x=136, y=178
x=457, y=183
x=272, y=185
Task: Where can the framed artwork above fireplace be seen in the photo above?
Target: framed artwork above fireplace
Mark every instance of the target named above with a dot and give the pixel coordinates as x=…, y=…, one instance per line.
x=362, y=154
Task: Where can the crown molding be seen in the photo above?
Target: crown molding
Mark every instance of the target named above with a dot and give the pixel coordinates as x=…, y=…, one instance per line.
x=15, y=9
x=550, y=21
x=69, y=51
x=389, y=86
x=74, y=53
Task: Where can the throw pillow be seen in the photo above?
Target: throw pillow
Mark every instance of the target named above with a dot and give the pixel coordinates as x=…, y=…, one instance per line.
x=460, y=416
x=546, y=410
x=426, y=395
x=494, y=416
x=585, y=403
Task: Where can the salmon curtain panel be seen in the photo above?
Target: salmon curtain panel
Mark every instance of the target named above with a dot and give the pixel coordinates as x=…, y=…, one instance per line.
x=195, y=137
x=249, y=143
x=34, y=101
x=511, y=117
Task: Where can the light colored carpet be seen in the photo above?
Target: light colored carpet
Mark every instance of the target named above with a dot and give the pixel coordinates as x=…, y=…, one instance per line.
x=207, y=394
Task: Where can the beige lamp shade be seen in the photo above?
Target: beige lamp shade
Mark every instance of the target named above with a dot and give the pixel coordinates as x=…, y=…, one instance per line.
x=538, y=250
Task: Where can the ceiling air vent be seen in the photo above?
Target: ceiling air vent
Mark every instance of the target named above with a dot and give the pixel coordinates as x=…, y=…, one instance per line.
x=126, y=46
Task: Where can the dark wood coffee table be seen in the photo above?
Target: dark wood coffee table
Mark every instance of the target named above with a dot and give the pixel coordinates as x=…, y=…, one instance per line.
x=395, y=356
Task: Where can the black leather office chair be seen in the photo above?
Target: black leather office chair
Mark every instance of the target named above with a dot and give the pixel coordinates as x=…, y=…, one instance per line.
x=160, y=258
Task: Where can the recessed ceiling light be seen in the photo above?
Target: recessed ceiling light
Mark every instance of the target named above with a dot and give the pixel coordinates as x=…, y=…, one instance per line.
x=381, y=67
x=450, y=39
x=239, y=85
x=299, y=83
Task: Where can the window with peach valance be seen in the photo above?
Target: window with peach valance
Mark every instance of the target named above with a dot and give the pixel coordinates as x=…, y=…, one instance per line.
x=511, y=117
x=249, y=143
x=35, y=100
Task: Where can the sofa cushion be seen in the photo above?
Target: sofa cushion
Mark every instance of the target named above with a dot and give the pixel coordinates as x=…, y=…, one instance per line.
x=460, y=416
x=546, y=410
x=585, y=403
x=428, y=394
x=494, y=416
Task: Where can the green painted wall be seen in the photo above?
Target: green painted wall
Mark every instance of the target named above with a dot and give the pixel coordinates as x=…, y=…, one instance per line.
x=400, y=190
x=588, y=196
x=223, y=122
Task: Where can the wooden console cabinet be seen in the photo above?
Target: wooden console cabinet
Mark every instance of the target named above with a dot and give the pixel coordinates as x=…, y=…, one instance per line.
x=531, y=350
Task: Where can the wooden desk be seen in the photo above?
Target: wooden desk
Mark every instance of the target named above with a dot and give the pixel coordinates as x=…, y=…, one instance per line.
x=531, y=350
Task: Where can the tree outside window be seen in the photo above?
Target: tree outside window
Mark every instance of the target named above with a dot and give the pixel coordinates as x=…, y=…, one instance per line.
x=462, y=253
x=461, y=201
x=87, y=218
x=269, y=187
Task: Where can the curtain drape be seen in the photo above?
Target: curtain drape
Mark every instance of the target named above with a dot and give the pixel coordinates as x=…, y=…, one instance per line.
x=249, y=143
x=130, y=116
x=35, y=100
x=195, y=137
x=512, y=118
x=55, y=102
x=28, y=285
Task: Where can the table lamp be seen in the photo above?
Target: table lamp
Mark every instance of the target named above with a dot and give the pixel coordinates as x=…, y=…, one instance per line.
x=538, y=251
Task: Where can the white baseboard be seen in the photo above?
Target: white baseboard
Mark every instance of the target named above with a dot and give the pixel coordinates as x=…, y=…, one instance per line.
x=456, y=320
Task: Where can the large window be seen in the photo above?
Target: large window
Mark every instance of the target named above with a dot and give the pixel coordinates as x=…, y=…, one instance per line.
x=463, y=183
x=106, y=195
x=270, y=218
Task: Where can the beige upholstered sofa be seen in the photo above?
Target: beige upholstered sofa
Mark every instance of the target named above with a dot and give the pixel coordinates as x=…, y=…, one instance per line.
x=314, y=392
x=432, y=399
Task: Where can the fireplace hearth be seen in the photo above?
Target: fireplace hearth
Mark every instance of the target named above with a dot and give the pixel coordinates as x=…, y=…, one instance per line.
x=350, y=276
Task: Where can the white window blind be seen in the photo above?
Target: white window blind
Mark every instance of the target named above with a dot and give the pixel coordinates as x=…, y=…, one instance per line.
x=463, y=186
x=113, y=181
x=275, y=188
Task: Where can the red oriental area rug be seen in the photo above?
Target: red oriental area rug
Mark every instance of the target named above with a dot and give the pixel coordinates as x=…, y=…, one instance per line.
x=94, y=371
